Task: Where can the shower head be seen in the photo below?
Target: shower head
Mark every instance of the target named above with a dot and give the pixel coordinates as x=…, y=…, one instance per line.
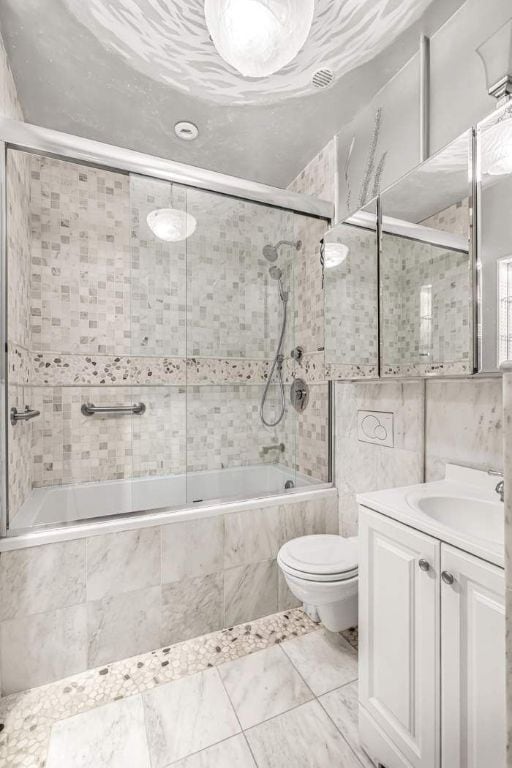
x=275, y=273
x=271, y=252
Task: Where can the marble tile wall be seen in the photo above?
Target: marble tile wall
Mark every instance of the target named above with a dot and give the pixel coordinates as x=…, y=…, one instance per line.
x=507, y=471
x=362, y=466
x=464, y=425
x=69, y=606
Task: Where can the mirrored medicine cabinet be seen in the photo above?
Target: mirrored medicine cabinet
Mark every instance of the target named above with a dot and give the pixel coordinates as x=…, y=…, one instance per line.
x=419, y=282
x=349, y=255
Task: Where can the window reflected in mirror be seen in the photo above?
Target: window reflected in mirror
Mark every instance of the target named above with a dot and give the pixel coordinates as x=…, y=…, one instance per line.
x=425, y=268
x=494, y=266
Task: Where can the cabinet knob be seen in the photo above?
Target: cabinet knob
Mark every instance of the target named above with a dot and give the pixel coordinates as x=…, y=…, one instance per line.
x=447, y=577
x=424, y=564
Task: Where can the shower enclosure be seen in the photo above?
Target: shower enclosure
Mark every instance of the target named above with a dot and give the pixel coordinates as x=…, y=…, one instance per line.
x=145, y=372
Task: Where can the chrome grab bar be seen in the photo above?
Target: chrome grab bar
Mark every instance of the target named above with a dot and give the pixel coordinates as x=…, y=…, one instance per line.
x=89, y=409
x=25, y=415
x=267, y=448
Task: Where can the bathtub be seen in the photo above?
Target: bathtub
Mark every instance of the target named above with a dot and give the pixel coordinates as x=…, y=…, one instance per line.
x=69, y=504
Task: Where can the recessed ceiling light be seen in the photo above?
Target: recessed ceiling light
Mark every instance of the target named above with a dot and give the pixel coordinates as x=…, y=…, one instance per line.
x=186, y=130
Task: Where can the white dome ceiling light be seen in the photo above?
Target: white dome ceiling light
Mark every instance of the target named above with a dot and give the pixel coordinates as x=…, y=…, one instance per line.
x=259, y=37
x=335, y=254
x=171, y=224
x=496, y=143
x=169, y=42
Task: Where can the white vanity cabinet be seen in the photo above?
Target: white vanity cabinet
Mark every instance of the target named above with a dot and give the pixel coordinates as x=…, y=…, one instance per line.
x=473, y=661
x=432, y=651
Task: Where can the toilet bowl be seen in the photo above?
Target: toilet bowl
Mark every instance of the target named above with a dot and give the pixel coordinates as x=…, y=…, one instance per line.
x=321, y=571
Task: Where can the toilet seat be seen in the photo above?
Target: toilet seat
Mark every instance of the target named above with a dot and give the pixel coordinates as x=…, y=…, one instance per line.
x=320, y=557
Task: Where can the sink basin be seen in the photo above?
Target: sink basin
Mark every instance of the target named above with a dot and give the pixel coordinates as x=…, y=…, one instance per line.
x=470, y=516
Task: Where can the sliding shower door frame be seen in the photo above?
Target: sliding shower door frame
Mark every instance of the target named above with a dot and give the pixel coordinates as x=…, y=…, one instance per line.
x=33, y=139
x=45, y=141
x=4, y=384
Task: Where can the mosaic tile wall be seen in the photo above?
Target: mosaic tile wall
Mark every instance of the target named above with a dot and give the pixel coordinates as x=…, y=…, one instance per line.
x=351, y=323
x=73, y=605
x=111, y=305
x=183, y=429
x=18, y=190
x=80, y=288
x=411, y=336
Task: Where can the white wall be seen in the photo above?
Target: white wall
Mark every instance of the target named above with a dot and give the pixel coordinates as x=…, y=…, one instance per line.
x=387, y=130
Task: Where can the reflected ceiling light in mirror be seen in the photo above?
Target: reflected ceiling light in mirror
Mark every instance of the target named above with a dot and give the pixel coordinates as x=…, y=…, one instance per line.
x=171, y=224
x=496, y=55
x=259, y=37
x=335, y=254
x=497, y=149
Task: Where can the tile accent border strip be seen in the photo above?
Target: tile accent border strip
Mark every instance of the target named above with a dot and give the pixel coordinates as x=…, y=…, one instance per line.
x=26, y=718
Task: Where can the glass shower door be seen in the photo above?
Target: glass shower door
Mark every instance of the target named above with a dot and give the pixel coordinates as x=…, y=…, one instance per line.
x=235, y=311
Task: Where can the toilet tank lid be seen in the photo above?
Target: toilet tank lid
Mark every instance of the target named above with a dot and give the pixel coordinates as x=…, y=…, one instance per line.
x=321, y=553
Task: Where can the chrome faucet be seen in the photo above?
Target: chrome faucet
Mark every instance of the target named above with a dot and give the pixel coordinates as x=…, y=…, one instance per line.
x=500, y=487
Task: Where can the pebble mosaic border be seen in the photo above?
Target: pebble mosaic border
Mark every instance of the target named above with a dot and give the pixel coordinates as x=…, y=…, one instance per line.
x=26, y=718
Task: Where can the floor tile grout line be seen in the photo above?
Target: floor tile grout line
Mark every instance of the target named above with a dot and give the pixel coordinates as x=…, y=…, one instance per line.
x=204, y=749
x=295, y=706
x=146, y=730
x=297, y=671
x=359, y=763
x=286, y=711
x=229, y=698
x=242, y=731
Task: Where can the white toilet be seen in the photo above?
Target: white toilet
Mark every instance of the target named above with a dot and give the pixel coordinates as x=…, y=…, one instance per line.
x=321, y=571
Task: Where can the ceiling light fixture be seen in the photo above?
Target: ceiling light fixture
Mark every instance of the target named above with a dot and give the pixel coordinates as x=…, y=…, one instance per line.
x=171, y=224
x=335, y=254
x=496, y=149
x=259, y=37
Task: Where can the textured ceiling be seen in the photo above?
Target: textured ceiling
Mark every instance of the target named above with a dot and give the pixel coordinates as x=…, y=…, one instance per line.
x=125, y=71
x=170, y=43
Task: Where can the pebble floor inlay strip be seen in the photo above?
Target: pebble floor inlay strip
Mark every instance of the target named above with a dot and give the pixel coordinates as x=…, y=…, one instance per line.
x=26, y=718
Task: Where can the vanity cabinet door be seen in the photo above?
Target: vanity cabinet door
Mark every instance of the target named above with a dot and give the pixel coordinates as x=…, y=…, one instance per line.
x=399, y=625
x=473, y=662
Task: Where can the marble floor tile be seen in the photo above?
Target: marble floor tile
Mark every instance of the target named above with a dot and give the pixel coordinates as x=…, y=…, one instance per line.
x=26, y=718
x=305, y=737
x=324, y=659
x=232, y=753
x=112, y=736
x=187, y=716
x=342, y=706
x=263, y=685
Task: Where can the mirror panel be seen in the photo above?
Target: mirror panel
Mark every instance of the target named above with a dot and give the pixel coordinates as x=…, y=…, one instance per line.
x=494, y=236
x=426, y=276
x=350, y=274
